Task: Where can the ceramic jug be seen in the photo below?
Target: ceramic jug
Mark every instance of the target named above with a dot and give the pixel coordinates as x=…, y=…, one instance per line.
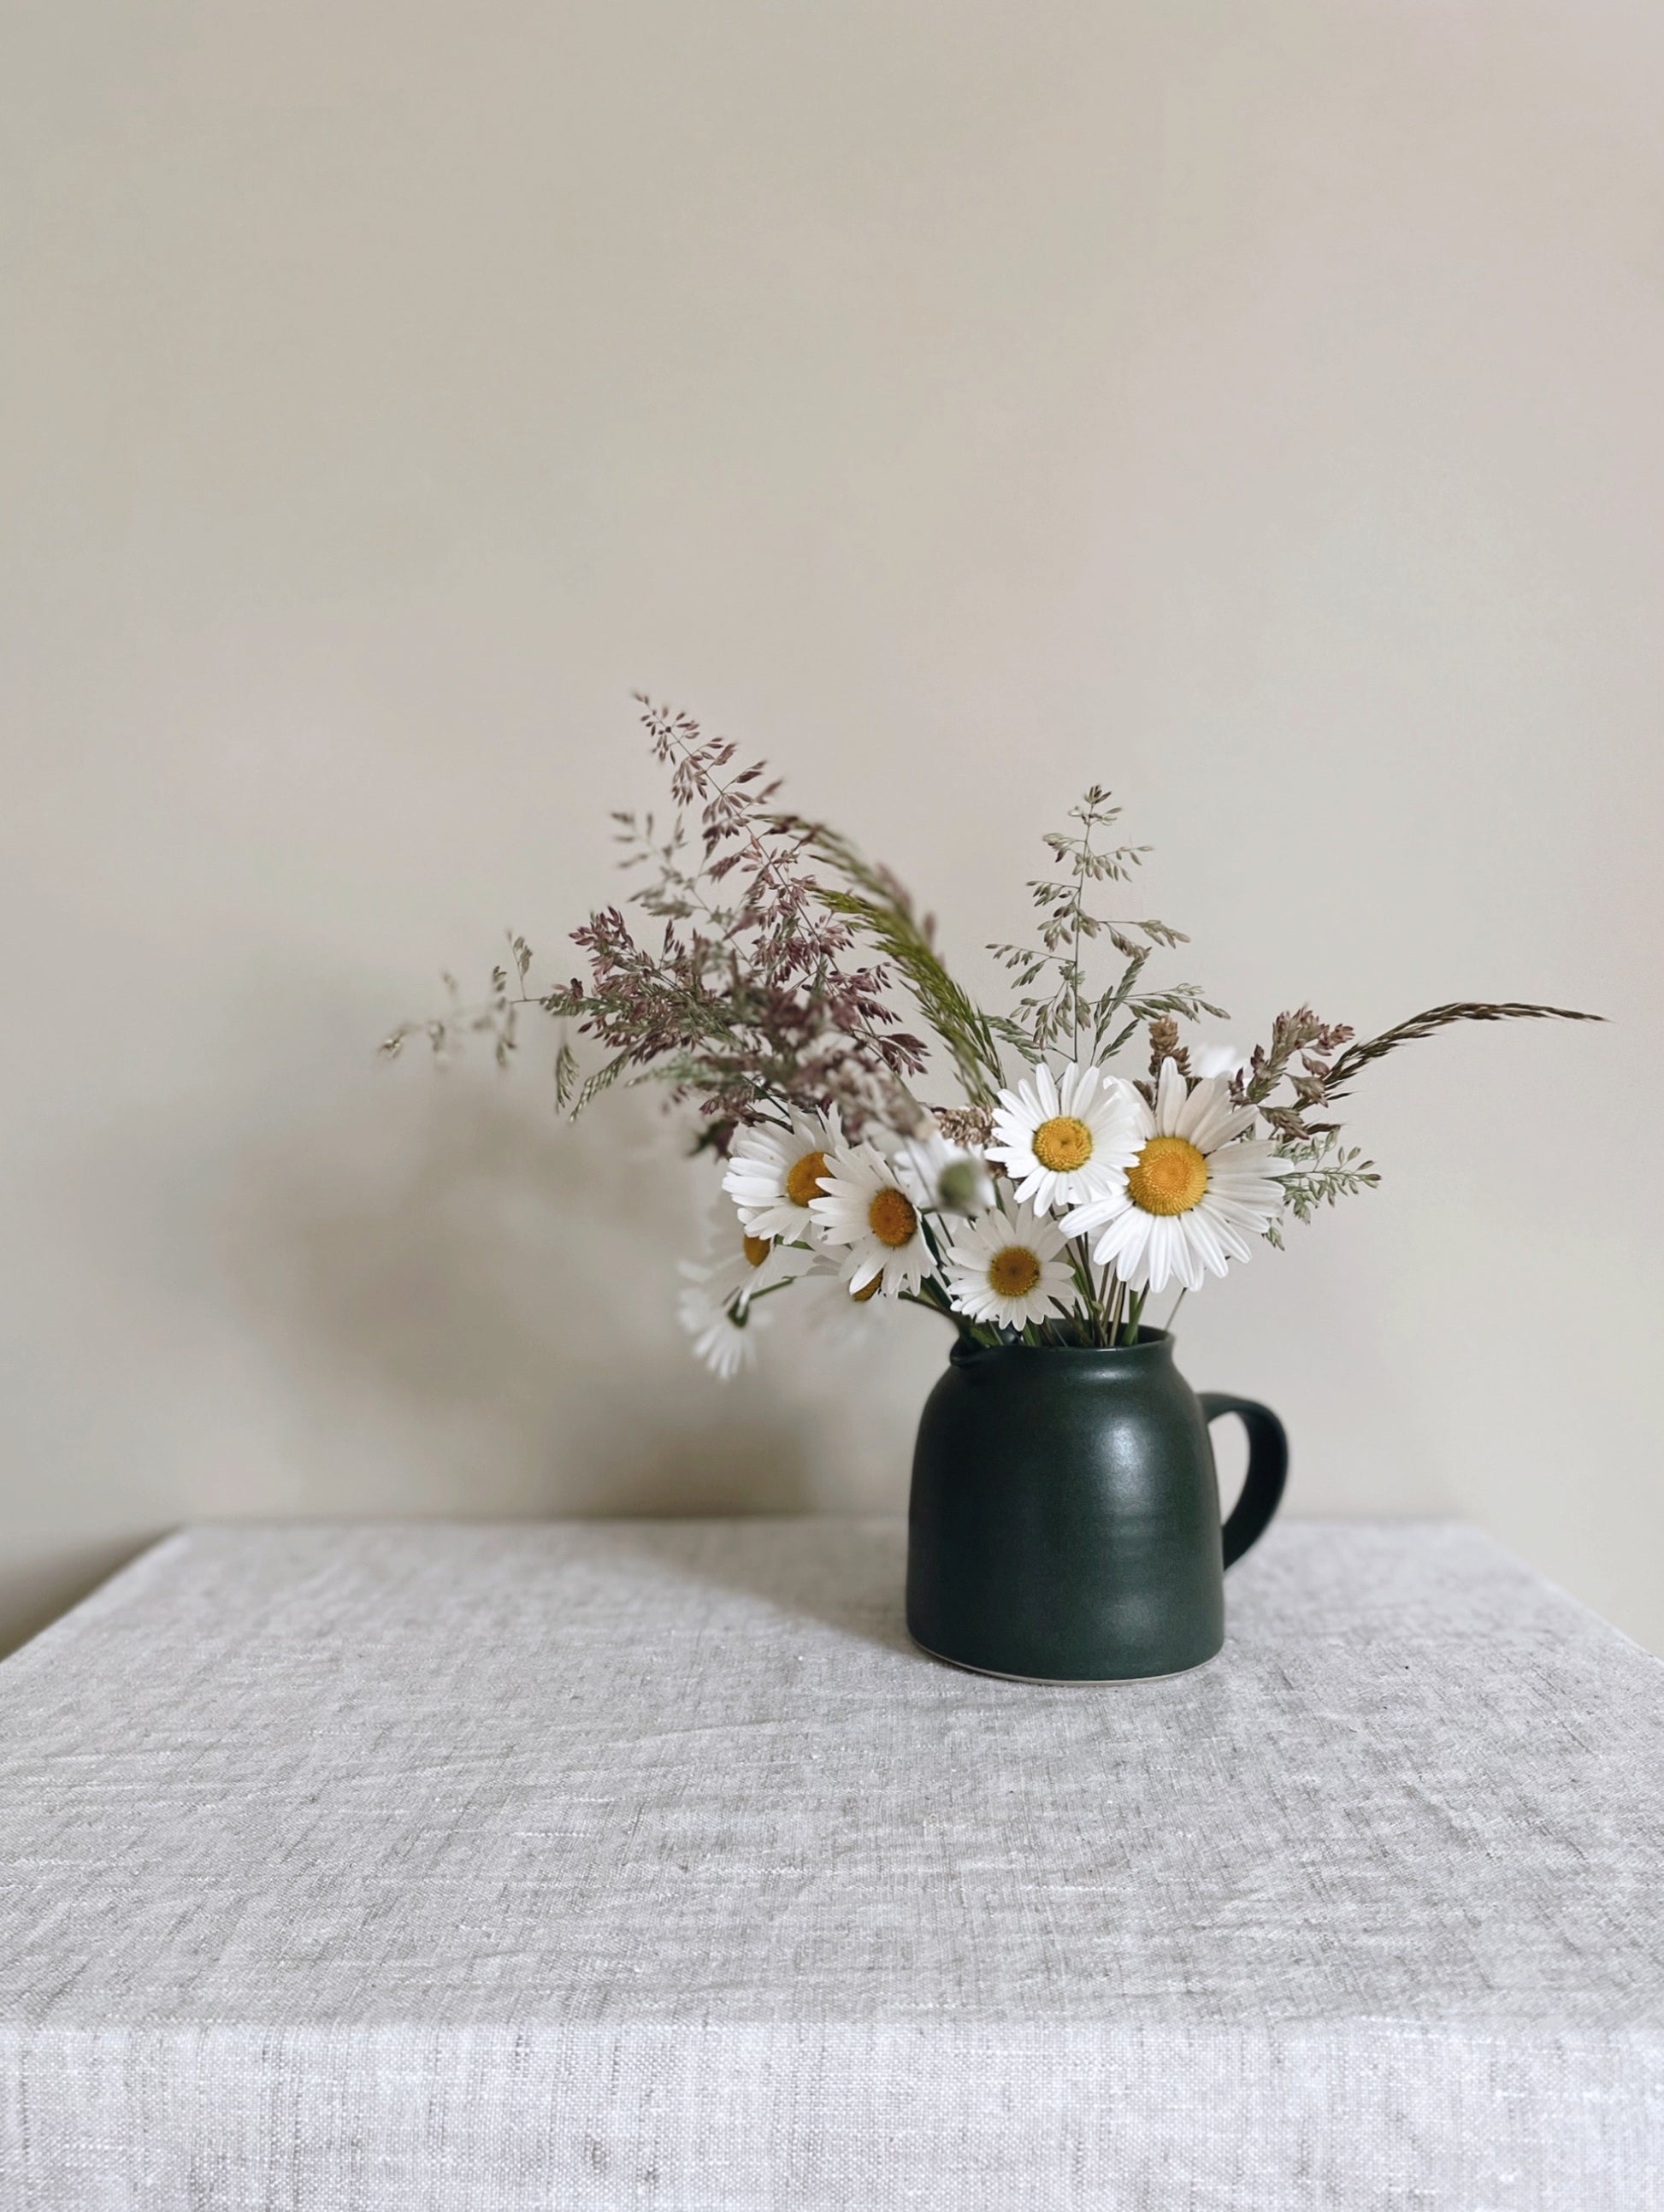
x=1064, y=1524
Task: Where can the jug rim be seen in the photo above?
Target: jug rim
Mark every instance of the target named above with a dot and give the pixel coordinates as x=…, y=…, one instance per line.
x=1153, y=1345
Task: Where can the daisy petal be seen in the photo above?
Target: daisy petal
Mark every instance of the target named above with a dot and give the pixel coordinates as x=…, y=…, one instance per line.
x=1171, y=1098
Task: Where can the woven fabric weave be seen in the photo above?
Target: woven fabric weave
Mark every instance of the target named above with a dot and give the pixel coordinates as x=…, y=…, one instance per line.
x=549, y=1867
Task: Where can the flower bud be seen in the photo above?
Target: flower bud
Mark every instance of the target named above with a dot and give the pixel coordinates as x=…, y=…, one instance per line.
x=964, y=1187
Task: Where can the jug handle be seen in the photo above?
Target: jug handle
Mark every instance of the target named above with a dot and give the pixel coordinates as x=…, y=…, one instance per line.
x=1268, y=1469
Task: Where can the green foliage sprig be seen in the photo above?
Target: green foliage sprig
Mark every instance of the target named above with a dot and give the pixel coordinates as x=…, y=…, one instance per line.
x=1065, y=1011
x=879, y=908
x=1357, y=1057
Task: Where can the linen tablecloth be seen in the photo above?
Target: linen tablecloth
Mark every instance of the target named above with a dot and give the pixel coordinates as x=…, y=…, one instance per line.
x=462, y=1869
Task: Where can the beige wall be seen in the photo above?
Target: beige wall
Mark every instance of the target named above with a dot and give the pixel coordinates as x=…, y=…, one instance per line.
x=1255, y=404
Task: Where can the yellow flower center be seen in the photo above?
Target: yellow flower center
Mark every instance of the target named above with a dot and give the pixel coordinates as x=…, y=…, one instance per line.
x=757, y=1250
x=1014, y=1272
x=1063, y=1143
x=891, y=1218
x=868, y=1291
x=804, y=1178
x=1168, y=1176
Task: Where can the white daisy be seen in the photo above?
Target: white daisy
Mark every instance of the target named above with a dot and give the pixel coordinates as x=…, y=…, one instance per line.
x=944, y=1178
x=737, y=1269
x=864, y=1206
x=1195, y=1195
x=742, y=1267
x=773, y=1173
x=1065, y=1141
x=1009, y=1267
x=725, y=1337
x=845, y=1320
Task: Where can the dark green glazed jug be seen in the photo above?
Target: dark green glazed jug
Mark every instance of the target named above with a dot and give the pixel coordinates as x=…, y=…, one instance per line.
x=1065, y=1519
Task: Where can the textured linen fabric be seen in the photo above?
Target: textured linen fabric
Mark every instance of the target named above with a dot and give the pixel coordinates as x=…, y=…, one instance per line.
x=548, y=1866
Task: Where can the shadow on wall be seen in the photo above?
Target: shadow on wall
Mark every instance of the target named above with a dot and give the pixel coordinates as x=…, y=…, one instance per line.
x=469, y=1307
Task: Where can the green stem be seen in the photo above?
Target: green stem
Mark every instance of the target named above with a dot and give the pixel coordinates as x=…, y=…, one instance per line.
x=1080, y=1267
x=1080, y=866
x=938, y=1304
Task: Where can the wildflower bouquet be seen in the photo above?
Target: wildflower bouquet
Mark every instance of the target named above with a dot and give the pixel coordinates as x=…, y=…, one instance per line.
x=1092, y=1158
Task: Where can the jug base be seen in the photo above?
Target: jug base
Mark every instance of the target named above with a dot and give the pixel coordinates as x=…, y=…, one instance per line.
x=1062, y=1682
